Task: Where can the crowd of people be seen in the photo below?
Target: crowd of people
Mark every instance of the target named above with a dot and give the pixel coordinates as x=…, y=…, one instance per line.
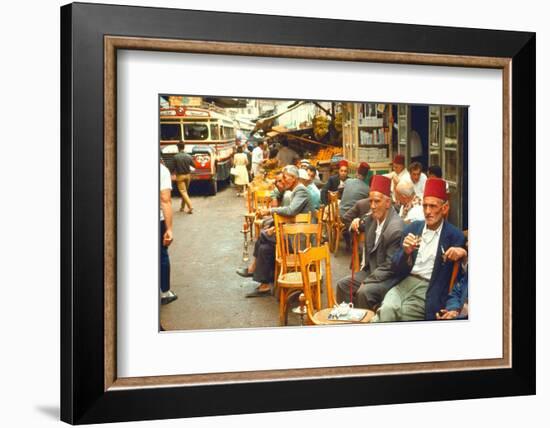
x=410, y=248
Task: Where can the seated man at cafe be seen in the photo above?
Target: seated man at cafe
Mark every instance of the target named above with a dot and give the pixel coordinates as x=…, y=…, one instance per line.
x=355, y=188
x=410, y=205
x=359, y=209
x=383, y=230
x=457, y=301
x=335, y=183
x=264, y=249
x=424, y=262
x=280, y=197
x=307, y=180
x=398, y=173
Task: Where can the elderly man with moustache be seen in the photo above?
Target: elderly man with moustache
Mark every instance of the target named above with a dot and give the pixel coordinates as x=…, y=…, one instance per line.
x=280, y=197
x=383, y=231
x=424, y=262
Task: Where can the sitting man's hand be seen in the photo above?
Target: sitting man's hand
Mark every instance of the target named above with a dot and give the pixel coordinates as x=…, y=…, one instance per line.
x=355, y=225
x=410, y=243
x=263, y=212
x=444, y=314
x=454, y=253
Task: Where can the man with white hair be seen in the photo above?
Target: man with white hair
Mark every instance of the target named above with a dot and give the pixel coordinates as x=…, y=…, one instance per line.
x=300, y=201
x=411, y=204
x=264, y=250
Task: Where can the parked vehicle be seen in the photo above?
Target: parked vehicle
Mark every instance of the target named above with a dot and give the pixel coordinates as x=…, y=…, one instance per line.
x=209, y=136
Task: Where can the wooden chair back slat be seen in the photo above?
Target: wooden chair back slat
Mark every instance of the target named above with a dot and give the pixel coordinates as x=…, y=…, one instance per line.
x=279, y=221
x=312, y=259
x=296, y=237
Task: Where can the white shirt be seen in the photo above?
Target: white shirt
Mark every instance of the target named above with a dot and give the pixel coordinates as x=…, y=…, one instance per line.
x=379, y=227
x=378, y=232
x=419, y=187
x=165, y=183
x=403, y=175
x=257, y=155
x=414, y=214
x=425, y=258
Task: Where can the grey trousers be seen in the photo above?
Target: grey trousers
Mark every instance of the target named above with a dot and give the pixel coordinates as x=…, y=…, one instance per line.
x=367, y=295
x=404, y=302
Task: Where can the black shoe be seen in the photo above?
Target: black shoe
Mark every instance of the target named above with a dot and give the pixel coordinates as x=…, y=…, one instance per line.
x=259, y=293
x=244, y=272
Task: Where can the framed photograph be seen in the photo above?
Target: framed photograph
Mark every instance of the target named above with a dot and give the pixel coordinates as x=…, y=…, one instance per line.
x=198, y=153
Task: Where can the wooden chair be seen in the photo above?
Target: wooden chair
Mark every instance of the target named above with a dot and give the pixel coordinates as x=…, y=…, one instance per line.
x=291, y=262
x=320, y=214
x=311, y=261
x=262, y=199
x=295, y=238
x=454, y=274
x=334, y=225
x=456, y=266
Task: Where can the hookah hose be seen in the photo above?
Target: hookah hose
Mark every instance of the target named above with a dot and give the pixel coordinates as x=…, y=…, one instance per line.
x=353, y=258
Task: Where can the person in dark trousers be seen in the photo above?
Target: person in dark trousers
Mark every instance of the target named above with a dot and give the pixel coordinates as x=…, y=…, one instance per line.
x=264, y=251
x=424, y=262
x=166, y=295
x=383, y=230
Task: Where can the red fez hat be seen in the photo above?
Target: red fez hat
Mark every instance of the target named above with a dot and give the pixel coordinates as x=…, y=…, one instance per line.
x=342, y=163
x=380, y=183
x=399, y=159
x=436, y=187
x=363, y=169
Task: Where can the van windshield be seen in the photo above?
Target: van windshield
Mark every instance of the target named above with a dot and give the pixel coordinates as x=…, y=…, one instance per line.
x=195, y=131
x=170, y=131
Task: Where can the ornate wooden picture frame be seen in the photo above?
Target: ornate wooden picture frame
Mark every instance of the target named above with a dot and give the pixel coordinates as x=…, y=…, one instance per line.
x=90, y=37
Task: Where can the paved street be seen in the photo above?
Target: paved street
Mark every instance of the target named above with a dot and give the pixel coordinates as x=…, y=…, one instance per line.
x=206, y=251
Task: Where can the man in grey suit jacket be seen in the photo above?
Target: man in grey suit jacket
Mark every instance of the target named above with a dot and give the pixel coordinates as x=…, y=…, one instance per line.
x=361, y=207
x=383, y=232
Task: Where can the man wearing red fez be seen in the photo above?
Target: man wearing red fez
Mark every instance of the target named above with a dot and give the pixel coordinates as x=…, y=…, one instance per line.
x=383, y=230
x=335, y=183
x=398, y=174
x=424, y=262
